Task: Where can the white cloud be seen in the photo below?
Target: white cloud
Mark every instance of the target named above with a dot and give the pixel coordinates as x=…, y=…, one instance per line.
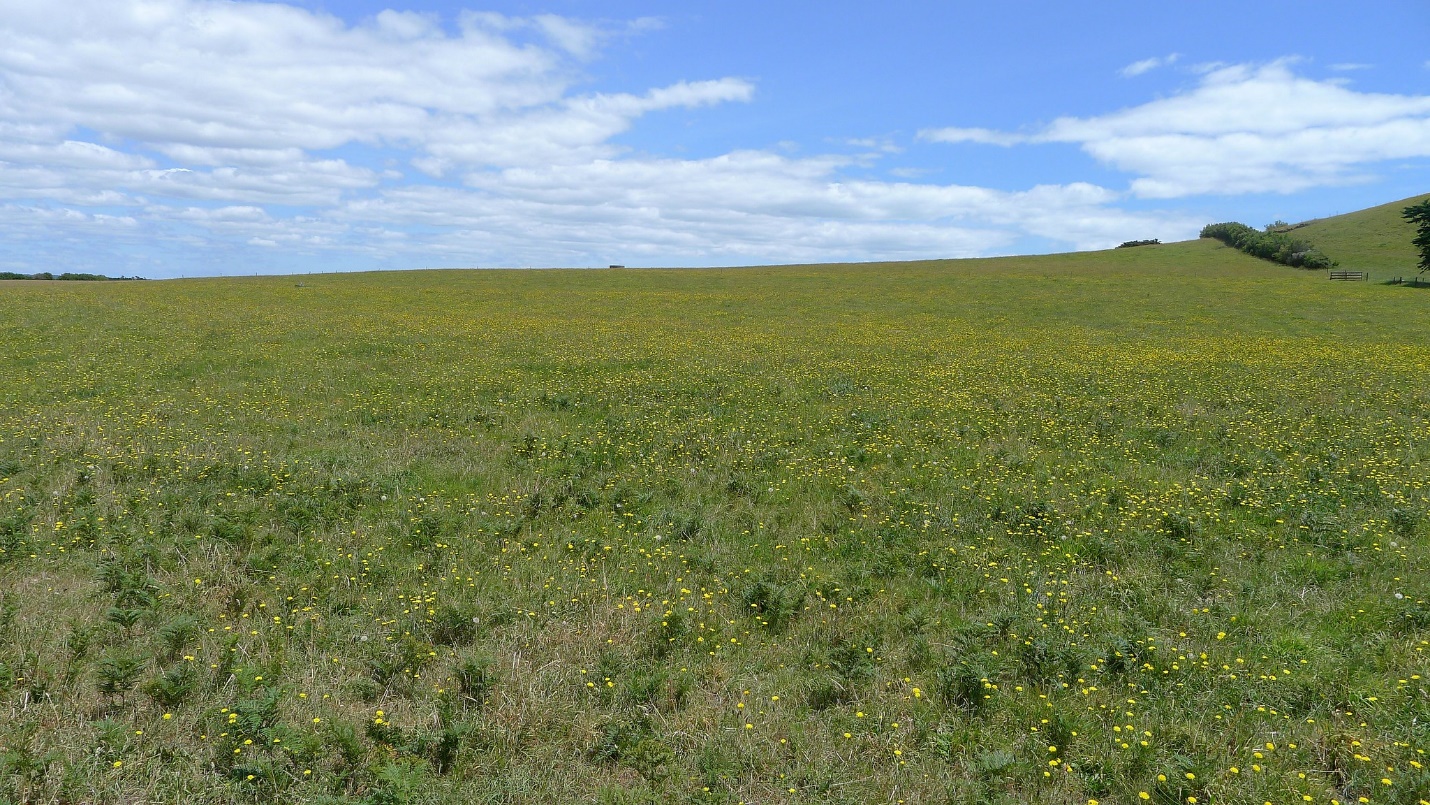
x=984, y=136
x=1348, y=67
x=230, y=125
x=230, y=214
x=1269, y=99
x=71, y=154
x=574, y=131
x=251, y=76
x=1252, y=129
x=23, y=215
x=31, y=244
x=642, y=25
x=769, y=208
x=1245, y=129
x=1147, y=65
x=257, y=87
x=574, y=38
x=879, y=145
x=245, y=157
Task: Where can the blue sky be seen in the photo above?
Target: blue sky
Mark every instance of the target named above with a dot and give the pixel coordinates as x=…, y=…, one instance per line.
x=187, y=137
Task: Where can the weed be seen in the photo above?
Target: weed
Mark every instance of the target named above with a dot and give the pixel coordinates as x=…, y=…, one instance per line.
x=175, y=634
x=774, y=605
x=397, y=782
x=117, y=671
x=475, y=680
x=619, y=737
x=963, y=685
x=174, y=686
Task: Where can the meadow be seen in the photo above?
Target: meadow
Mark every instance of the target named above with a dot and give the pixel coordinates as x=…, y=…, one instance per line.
x=1141, y=525
x=1376, y=239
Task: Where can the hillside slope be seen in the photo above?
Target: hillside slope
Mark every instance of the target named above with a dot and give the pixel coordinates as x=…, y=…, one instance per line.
x=1375, y=239
x=1136, y=525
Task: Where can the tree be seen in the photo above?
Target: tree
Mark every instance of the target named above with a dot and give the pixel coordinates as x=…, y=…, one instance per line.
x=1419, y=214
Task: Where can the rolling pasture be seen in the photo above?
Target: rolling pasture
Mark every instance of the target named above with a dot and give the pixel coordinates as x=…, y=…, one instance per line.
x=1140, y=525
x=1377, y=239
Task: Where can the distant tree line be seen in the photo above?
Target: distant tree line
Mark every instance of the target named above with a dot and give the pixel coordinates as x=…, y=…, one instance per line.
x=1277, y=246
x=68, y=275
x=1129, y=244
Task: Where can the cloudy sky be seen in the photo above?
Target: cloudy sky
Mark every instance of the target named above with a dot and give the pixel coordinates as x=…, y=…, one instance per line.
x=185, y=137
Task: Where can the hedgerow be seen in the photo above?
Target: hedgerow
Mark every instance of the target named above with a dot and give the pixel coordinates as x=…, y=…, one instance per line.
x=1275, y=246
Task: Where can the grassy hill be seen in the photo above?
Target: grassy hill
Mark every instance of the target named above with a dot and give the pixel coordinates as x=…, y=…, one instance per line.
x=1138, y=525
x=1375, y=239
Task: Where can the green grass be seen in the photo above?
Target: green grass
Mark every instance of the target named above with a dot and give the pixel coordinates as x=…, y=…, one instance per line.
x=1044, y=529
x=1375, y=239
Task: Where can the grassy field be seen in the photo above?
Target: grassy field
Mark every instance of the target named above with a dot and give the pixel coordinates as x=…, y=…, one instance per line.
x=1141, y=525
x=1376, y=240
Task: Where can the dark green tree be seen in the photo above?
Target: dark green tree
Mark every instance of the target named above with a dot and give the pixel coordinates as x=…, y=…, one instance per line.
x=1419, y=214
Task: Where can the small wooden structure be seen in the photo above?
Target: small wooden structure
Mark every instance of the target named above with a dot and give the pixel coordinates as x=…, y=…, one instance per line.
x=1359, y=276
